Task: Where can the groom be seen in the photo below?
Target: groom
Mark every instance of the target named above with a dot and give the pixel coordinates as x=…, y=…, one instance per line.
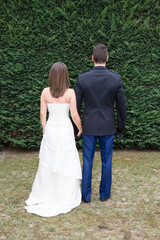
x=100, y=89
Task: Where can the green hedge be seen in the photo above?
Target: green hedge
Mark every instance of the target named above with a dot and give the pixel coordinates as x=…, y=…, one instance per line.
x=35, y=34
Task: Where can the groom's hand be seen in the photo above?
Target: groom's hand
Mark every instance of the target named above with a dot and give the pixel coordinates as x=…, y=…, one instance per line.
x=119, y=133
x=77, y=138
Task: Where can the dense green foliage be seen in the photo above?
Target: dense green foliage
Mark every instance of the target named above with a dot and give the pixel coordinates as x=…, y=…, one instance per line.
x=35, y=34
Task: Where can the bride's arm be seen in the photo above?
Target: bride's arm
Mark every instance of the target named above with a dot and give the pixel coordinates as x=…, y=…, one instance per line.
x=74, y=112
x=43, y=111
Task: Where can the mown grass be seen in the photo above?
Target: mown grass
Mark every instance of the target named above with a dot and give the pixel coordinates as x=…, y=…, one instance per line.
x=133, y=212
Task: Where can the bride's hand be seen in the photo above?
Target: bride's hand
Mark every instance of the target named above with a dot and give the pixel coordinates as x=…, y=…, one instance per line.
x=79, y=133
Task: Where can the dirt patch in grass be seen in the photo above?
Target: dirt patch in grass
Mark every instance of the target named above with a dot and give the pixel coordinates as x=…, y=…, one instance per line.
x=132, y=212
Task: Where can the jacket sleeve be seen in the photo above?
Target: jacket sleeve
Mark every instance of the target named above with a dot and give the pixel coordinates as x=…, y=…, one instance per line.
x=121, y=106
x=79, y=95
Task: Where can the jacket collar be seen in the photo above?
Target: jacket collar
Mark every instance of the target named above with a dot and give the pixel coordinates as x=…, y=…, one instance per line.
x=99, y=67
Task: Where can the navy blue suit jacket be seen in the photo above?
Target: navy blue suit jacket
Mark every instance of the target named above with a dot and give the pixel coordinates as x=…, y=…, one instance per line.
x=100, y=89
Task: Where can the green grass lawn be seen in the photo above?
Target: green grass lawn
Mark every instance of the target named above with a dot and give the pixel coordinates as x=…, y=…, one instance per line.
x=132, y=212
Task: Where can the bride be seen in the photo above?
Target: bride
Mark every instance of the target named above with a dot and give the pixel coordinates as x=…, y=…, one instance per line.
x=56, y=188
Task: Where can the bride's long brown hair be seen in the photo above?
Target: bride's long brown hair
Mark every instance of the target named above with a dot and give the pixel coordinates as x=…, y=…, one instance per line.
x=58, y=79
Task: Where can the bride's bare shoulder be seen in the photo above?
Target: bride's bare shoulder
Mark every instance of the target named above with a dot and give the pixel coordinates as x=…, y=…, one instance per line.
x=69, y=94
x=70, y=91
x=45, y=91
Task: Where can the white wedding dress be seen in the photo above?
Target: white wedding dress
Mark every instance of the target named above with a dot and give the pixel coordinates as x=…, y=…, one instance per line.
x=56, y=188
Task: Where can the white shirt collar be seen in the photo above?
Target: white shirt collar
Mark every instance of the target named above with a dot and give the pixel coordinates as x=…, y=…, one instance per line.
x=99, y=65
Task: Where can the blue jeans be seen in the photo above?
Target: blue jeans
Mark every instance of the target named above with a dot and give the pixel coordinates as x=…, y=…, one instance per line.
x=106, y=149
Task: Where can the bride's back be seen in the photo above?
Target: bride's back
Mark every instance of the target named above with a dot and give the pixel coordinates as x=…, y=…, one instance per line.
x=63, y=99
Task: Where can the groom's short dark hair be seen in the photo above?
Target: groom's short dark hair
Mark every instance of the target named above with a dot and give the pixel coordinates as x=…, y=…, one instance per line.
x=100, y=53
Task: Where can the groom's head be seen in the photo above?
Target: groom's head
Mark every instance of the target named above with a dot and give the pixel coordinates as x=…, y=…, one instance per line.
x=100, y=54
